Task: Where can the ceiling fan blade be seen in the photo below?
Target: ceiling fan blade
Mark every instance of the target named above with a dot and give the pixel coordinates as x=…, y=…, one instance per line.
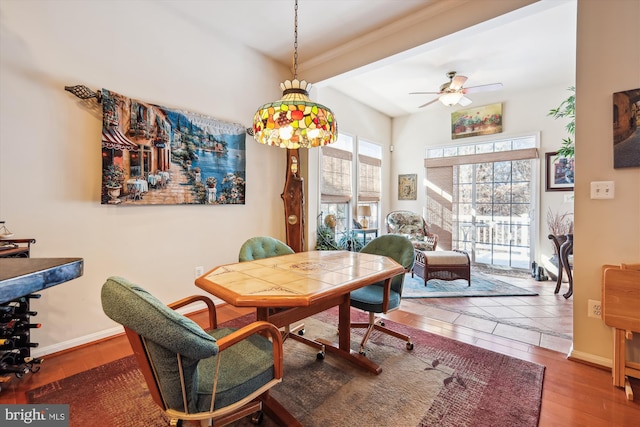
x=464, y=101
x=482, y=88
x=428, y=103
x=457, y=82
x=424, y=93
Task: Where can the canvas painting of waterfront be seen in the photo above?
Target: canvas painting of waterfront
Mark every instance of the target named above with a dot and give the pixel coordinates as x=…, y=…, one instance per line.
x=154, y=155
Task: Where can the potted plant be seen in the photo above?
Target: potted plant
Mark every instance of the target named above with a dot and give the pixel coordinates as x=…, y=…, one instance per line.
x=567, y=109
x=211, y=182
x=112, y=179
x=559, y=224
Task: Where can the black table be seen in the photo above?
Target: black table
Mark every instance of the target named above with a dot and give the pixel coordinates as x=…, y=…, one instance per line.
x=23, y=276
x=564, y=248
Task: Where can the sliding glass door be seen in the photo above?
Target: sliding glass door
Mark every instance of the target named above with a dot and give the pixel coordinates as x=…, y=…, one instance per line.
x=481, y=199
x=492, y=212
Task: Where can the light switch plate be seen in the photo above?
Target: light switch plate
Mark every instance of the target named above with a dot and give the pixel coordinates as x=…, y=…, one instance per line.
x=602, y=190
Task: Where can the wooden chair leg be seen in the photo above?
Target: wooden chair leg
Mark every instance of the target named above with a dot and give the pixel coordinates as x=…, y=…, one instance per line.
x=619, y=357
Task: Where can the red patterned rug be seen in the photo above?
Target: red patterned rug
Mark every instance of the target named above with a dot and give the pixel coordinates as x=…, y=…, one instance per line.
x=441, y=382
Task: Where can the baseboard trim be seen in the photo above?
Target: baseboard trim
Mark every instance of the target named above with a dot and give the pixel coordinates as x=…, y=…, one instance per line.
x=76, y=342
x=591, y=359
x=102, y=335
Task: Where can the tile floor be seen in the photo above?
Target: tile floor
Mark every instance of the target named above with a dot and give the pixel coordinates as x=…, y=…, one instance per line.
x=545, y=320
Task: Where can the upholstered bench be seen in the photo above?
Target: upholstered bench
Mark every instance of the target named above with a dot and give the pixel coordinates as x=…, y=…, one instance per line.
x=443, y=265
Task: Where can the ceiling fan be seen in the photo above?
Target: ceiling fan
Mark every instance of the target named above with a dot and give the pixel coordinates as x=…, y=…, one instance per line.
x=452, y=92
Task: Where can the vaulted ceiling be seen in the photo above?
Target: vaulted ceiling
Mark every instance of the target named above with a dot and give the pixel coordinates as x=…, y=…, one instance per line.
x=526, y=49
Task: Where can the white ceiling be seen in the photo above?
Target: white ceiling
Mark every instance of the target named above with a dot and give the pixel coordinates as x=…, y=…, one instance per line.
x=529, y=48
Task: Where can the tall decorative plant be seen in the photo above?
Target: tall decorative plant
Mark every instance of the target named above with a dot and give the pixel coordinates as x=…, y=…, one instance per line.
x=559, y=223
x=567, y=109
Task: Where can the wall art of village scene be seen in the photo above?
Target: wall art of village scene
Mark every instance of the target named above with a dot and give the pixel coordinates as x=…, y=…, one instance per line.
x=153, y=155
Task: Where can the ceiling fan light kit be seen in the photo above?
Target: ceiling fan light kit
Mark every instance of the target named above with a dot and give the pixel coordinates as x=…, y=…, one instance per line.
x=450, y=99
x=453, y=93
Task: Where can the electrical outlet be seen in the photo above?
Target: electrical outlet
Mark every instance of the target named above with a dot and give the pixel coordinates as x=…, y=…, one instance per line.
x=594, y=309
x=199, y=271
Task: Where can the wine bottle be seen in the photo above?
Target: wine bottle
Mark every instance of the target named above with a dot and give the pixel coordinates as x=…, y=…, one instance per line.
x=6, y=331
x=20, y=326
x=24, y=315
x=17, y=341
x=20, y=316
x=17, y=369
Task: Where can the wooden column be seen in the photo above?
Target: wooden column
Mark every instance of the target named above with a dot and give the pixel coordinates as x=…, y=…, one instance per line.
x=293, y=198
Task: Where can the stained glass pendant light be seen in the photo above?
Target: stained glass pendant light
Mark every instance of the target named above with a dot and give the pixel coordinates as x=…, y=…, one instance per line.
x=295, y=121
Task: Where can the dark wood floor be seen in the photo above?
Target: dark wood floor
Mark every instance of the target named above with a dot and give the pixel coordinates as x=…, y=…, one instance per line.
x=574, y=393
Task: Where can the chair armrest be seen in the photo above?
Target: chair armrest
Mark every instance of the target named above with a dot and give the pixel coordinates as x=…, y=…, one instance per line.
x=265, y=328
x=432, y=238
x=211, y=308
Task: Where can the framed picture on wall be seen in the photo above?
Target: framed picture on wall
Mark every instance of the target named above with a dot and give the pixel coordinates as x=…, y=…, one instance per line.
x=559, y=172
x=626, y=129
x=476, y=121
x=408, y=187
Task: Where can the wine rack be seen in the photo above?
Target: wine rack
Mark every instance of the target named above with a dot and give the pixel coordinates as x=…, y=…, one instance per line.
x=20, y=278
x=16, y=324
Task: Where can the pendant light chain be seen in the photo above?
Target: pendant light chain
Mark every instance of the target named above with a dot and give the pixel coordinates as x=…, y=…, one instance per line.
x=294, y=121
x=295, y=42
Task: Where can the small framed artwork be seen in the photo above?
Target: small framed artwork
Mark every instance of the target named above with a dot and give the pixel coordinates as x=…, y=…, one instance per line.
x=559, y=171
x=407, y=187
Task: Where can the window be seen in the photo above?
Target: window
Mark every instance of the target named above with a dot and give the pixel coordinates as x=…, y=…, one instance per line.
x=480, y=199
x=335, y=190
x=340, y=176
x=140, y=161
x=369, y=179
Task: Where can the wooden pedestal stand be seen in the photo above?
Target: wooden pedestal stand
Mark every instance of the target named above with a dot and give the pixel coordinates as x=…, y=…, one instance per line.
x=293, y=198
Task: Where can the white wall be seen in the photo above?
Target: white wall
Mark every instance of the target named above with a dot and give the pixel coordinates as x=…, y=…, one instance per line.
x=50, y=150
x=524, y=114
x=606, y=231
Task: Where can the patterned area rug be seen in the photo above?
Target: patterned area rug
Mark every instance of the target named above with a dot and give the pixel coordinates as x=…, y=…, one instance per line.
x=482, y=285
x=441, y=382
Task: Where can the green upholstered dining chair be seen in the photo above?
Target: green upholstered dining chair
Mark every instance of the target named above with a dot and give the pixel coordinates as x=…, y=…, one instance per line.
x=215, y=376
x=373, y=298
x=262, y=247
x=266, y=247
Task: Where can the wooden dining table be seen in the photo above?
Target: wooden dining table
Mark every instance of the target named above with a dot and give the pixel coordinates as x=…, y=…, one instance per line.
x=288, y=288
